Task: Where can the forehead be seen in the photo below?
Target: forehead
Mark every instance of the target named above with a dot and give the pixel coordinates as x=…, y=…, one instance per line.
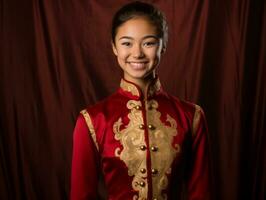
x=136, y=28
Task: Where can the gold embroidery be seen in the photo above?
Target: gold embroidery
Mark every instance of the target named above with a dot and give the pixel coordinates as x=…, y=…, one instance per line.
x=134, y=150
x=129, y=87
x=153, y=87
x=196, y=120
x=161, y=138
x=90, y=126
x=132, y=138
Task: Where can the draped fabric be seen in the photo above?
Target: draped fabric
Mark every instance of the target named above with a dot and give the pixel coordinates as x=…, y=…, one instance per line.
x=56, y=59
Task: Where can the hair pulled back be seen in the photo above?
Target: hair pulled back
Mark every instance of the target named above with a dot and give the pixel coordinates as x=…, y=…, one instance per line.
x=141, y=9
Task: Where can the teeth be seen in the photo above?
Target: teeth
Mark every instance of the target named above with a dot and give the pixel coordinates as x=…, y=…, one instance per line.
x=138, y=65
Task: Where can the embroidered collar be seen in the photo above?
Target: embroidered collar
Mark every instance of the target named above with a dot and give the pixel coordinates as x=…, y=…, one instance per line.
x=134, y=90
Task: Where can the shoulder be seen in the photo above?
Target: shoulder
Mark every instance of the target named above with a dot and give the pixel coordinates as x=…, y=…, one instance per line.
x=100, y=106
x=195, y=116
x=187, y=107
x=193, y=112
x=100, y=113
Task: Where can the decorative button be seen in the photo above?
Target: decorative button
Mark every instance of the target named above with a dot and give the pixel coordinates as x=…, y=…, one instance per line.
x=141, y=126
x=137, y=107
x=142, y=147
x=150, y=107
x=153, y=148
x=142, y=170
x=142, y=184
x=151, y=127
x=154, y=171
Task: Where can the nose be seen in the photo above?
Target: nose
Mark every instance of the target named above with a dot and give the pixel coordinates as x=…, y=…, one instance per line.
x=137, y=51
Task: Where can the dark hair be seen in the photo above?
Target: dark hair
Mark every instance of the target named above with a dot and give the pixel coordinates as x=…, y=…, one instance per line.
x=141, y=9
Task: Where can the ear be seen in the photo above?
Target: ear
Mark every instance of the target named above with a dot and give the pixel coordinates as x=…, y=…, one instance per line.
x=163, y=43
x=114, y=48
x=163, y=50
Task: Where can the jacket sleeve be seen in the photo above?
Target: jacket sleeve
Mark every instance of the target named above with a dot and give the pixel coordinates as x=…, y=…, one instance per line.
x=85, y=162
x=198, y=179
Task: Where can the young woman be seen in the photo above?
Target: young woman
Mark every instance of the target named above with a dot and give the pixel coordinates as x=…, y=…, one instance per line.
x=145, y=143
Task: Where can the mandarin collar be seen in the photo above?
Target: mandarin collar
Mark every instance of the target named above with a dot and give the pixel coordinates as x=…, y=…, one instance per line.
x=134, y=91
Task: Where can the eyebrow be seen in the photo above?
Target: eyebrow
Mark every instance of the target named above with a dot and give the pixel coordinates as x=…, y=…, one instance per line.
x=131, y=38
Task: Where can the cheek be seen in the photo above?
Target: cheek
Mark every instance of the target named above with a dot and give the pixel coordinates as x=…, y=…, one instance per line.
x=122, y=54
x=154, y=54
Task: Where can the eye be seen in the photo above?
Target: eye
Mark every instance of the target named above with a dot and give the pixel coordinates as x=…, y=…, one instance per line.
x=150, y=43
x=127, y=44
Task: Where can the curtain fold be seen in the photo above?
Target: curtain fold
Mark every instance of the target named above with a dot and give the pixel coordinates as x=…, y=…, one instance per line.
x=56, y=59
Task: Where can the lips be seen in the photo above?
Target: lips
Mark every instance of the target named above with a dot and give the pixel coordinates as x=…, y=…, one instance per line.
x=138, y=65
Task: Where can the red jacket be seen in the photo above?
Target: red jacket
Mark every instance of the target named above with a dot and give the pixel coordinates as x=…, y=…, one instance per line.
x=153, y=148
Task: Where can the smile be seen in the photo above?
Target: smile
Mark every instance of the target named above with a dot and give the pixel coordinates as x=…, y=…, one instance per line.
x=138, y=65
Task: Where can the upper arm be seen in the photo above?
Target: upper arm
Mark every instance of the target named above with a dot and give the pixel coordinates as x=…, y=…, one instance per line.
x=85, y=163
x=198, y=182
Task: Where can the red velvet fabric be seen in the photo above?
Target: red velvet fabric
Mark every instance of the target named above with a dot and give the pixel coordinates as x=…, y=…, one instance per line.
x=191, y=161
x=56, y=58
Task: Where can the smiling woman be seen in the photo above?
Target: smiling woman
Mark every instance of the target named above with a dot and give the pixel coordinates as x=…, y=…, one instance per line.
x=147, y=144
x=138, y=49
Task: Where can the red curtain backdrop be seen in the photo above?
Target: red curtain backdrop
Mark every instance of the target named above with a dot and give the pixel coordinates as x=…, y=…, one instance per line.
x=56, y=59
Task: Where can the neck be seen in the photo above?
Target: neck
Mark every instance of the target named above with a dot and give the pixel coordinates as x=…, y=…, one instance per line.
x=143, y=83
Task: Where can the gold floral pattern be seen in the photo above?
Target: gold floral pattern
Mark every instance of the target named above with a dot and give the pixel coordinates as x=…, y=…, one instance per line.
x=154, y=86
x=132, y=138
x=134, y=154
x=90, y=126
x=161, y=138
x=129, y=87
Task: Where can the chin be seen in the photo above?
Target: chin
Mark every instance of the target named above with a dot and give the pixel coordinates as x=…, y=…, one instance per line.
x=137, y=77
x=140, y=76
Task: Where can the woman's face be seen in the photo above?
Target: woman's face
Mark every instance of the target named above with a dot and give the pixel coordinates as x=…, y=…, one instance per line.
x=138, y=49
